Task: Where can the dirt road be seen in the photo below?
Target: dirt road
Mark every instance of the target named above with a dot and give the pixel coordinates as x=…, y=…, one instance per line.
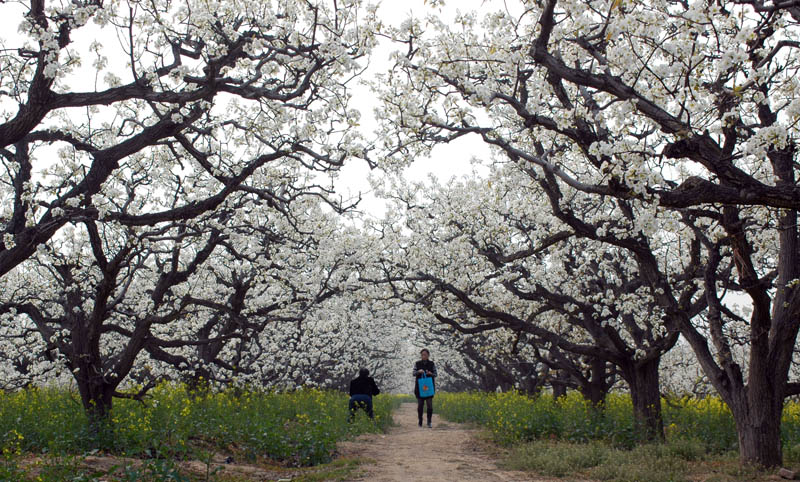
x=446, y=452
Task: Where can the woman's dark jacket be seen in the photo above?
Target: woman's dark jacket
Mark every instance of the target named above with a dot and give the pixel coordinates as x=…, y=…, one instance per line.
x=428, y=366
x=364, y=386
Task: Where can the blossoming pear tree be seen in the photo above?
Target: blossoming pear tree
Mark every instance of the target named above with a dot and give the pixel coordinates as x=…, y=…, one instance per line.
x=483, y=257
x=229, y=297
x=493, y=360
x=94, y=295
x=301, y=299
x=330, y=346
x=181, y=104
x=668, y=110
x=272, y=271
x=125, y=158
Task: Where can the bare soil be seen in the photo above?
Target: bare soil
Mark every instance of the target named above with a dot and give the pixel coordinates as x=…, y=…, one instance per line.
x=446, y=452
x=216, y=469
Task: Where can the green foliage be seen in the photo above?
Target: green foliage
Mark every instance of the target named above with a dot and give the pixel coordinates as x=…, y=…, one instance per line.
x=662, y=465
x=300, y=428
x=597, y=460
x=46, y=419
x=155, y=470
x=693, y=427
x=9, y=468
x=556, y=459
x=513, y=417
x=60, y=468
x=708, y=420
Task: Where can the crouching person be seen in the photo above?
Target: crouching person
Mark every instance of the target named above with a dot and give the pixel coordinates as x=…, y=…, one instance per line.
x=362, y=389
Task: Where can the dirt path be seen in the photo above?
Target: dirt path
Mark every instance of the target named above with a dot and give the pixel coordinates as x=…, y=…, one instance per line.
x=447, y=452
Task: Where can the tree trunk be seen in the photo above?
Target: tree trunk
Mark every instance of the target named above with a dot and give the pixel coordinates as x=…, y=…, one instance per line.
x=97, y=398
x=760, y=440
x=559, y=386
x=96, y=389
x=757, y=412
x=532, y=387
x=642, y=378
x=758, y=409
x=596, y=389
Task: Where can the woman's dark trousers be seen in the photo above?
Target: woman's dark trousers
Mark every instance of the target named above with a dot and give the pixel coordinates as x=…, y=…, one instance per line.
x=420, y=403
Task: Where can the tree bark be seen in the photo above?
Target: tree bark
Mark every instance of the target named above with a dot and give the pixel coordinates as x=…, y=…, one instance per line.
x=642, y=378
x=97, y=398
x=758, y=423
x=559, y=386
x=95, y=387
x=596, y=389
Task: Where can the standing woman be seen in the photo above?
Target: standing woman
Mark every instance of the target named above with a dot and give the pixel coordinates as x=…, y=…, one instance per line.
x=421, y=368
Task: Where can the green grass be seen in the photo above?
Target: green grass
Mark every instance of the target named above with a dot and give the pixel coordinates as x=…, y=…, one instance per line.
x=295, y=429
x=597, y=460
x=556, y=459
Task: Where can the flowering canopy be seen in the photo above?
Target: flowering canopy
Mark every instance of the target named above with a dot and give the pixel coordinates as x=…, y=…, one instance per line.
x=184, y=105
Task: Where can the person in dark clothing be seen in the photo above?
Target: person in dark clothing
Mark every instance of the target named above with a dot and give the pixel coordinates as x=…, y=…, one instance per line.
x=362, y=389
x=421, y=368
